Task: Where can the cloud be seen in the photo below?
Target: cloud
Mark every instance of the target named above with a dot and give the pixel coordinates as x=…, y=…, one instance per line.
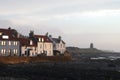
x=45, y=18
x=97, y=13
x=75, y=20
x=35, y=11
x=55, y=7
x=26, y=28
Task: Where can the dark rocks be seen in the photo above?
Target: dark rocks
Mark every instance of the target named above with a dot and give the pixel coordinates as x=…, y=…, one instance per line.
x=84, y=70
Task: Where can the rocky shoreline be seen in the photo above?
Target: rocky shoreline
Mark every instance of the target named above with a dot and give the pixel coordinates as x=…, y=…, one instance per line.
x=75, y=70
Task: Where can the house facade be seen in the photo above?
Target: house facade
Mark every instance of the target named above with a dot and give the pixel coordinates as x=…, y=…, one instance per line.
x=58, y=44
x=36, y=45
x=44, y=45
x=9, y=44
x=28, y=47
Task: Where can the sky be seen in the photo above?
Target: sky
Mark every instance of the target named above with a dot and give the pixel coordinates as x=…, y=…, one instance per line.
x=79, y=22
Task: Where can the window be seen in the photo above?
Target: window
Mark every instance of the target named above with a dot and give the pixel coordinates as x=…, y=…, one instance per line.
x=42, y=39
x=5, y=37
x=39, y=39
x=15, y=43
x=3, y=51
x=9, y=51
x=0, y=33
x=31, y=43
x=3, y=43
x=9, y=43
x=15, y=51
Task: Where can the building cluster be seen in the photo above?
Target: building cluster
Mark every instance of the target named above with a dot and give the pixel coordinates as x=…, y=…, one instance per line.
x=13, y=43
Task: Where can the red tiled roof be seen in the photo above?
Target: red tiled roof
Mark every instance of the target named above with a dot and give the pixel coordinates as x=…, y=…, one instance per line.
x=10, y=39
x=26, y=42
x=10, y=33
x=46, y=39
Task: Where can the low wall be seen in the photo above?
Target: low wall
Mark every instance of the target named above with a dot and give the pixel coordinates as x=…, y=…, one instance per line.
x=15, y=59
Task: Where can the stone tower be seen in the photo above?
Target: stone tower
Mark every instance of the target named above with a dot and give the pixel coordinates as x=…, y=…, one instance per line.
x=91, y=46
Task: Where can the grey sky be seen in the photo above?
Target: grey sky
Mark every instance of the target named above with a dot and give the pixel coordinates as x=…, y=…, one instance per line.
x=78, y=21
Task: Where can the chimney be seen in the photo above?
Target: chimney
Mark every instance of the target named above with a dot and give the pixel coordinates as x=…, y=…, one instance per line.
x=46, y=34
x=31, y=34
x=59, y=37
x=18, y=35
x=50, y=36
x=9, y=28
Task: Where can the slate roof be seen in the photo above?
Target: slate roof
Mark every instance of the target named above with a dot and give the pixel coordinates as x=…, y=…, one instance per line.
x=56, y=40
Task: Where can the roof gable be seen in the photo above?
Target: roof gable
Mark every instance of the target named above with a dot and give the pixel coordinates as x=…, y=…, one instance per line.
x=56, y=40
x=46, y=39
x=26, y=42
x=11, y=33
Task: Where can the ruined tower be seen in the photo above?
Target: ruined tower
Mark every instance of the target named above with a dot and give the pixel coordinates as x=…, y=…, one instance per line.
x=91, y=46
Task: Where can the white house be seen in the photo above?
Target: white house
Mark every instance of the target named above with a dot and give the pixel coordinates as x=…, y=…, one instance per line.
x=58, y=44
x=9, y=43
x=44, y=45
x=28, y=47
x=12, y=43
x=36, y=45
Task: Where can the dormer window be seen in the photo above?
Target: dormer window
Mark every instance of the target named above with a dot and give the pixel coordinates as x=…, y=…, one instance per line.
x=3, y=51
x=42, y=39
x=39, y=39
x=3, y=43
x=0, y=33
x=5, y=37
x=9, y=43
x=31, y=42
x=15, y=43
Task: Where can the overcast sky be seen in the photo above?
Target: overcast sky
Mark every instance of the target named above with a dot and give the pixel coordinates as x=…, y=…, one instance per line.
x=80, y=22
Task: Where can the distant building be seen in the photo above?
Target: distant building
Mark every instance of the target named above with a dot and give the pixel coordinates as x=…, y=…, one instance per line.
x=91, y=46
x=9, y=42
x=58, y=44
